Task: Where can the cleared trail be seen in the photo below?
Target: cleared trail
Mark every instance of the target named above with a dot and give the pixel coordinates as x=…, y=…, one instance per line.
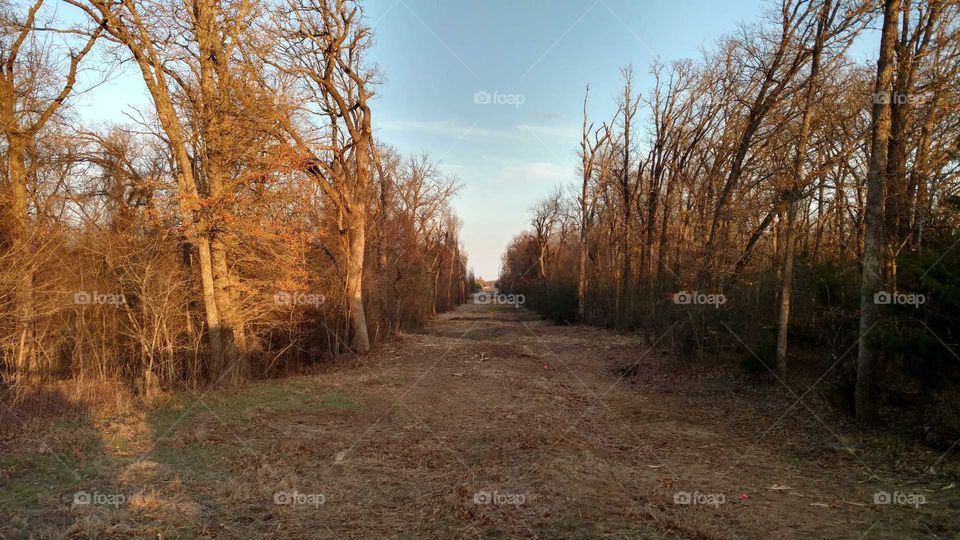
x=489, y=423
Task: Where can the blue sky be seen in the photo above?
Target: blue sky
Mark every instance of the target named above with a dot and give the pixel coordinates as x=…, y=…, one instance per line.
x=534, y=57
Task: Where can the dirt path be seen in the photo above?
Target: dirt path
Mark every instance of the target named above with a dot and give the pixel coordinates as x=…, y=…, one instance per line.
x=485, y=424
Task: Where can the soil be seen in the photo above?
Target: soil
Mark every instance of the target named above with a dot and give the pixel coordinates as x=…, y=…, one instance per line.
x=486, y=423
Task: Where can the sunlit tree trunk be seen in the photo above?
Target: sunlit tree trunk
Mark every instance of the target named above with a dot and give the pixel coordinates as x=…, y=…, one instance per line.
x=214, y=77
x=356, y=244
x=25, y=358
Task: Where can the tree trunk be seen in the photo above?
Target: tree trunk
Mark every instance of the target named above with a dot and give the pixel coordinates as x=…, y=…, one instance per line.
x=214, y=330
x=542, y=261
x=909, y=52
x=784, y=320
x=648, y=255
x=449, y=287
x=867, y=355
x=918, y=192
x=141, y=47
x=25, y=358
x=187, y=195
x=819, y=234
x=582, y=279
x=214, y=83
x=232, y=336
x=624, y=294
x=356, y=243
x=798, y=184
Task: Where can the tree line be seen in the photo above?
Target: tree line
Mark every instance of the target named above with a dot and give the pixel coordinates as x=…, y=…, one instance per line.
x=247, y=221
x=810, y=194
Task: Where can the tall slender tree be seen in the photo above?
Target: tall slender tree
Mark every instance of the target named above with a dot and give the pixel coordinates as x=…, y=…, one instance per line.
x=868, y=355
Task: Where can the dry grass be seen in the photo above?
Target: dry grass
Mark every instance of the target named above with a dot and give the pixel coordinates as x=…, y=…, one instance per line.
x=480, y=405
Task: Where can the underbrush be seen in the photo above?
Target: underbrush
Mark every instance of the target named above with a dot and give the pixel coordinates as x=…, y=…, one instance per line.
x=920, y=371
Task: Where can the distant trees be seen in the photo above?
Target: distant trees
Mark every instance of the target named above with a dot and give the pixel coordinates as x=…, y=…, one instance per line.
x=763, y=176
x=546, y=216
x=226, y=234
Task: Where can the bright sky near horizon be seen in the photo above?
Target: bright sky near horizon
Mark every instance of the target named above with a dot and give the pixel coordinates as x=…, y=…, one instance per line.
x=494, y=89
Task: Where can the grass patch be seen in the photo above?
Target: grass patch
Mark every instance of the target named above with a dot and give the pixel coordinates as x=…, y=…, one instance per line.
x=197, y=431
x=36, y=484
x=276, y=396
x=336, y=400
x=36, y=480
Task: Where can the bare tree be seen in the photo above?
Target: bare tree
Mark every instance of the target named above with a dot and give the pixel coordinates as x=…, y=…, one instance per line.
x=793, y=192
x=32, y=91
x=775, y=69
x=589, y=150
x=871, y=280
x=324, y=45
x=628, y=190
x=147, y=41
x=546, y=214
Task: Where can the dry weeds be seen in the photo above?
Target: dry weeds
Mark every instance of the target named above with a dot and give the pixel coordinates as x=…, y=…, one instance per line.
x=484, y=424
